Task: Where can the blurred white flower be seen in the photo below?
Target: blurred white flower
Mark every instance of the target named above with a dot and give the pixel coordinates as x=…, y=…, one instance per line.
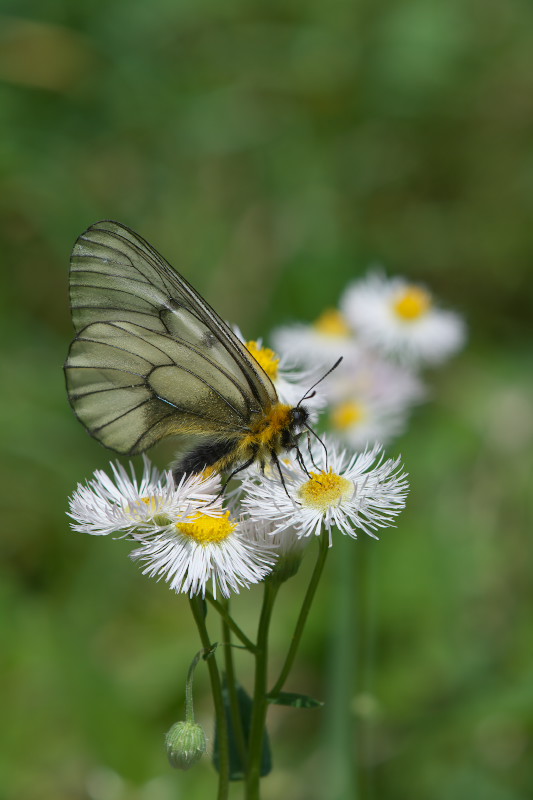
x=399, y=319
x=318, y=345
x=345, y=491
x=370, y=399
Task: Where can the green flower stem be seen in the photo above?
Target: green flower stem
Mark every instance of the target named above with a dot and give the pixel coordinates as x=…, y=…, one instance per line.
x=323, y=548
x=232, y=625
x=236, y=717
x=198, y=611
x=368, y=582
x=260, y=702
x=339, y=728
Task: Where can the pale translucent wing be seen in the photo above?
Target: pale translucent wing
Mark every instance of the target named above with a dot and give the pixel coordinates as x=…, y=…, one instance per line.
x=116, y=275
x=131, y=386
x=151, y=358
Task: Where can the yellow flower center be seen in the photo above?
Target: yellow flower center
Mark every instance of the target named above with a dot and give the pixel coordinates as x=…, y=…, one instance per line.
x=159, y=519
x=208, y=530
x=347, y=414
x=266, y=357
x=331, y=323
x=412, y=303
x=325, y=489
x=150, y=501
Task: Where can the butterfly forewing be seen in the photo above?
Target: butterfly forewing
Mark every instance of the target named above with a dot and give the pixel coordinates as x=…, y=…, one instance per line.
x=151, y=357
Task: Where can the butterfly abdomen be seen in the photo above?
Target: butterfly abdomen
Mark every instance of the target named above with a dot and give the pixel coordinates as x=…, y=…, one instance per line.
x=204, y=456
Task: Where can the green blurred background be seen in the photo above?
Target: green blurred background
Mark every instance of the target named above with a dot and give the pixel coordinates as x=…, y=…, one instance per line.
x=272, y=151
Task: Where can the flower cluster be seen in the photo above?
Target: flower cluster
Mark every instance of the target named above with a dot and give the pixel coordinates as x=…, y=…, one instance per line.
x=194, y=534
x=187, y=535
x=387, y=330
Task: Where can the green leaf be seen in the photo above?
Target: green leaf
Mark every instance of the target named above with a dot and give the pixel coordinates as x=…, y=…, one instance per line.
x=245, y=704
x=295, y=700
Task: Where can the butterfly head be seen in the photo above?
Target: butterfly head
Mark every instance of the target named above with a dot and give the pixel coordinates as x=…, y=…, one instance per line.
x=299, y=416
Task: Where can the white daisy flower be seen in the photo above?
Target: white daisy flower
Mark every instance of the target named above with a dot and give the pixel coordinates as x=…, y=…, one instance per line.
x=184, y=534
x=123, y=505
x=200, y=548
x=370, y=400
x=399, y=319
x=318, y=345
x=349, y=492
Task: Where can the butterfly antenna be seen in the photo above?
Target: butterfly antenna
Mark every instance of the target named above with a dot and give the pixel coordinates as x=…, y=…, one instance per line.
x=310, y=393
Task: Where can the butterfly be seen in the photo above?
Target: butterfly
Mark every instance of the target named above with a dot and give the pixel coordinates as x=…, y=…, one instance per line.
x=152, y=359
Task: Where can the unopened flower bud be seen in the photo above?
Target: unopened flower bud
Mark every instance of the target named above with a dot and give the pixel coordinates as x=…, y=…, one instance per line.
x=285, y=567
x=186, y=744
